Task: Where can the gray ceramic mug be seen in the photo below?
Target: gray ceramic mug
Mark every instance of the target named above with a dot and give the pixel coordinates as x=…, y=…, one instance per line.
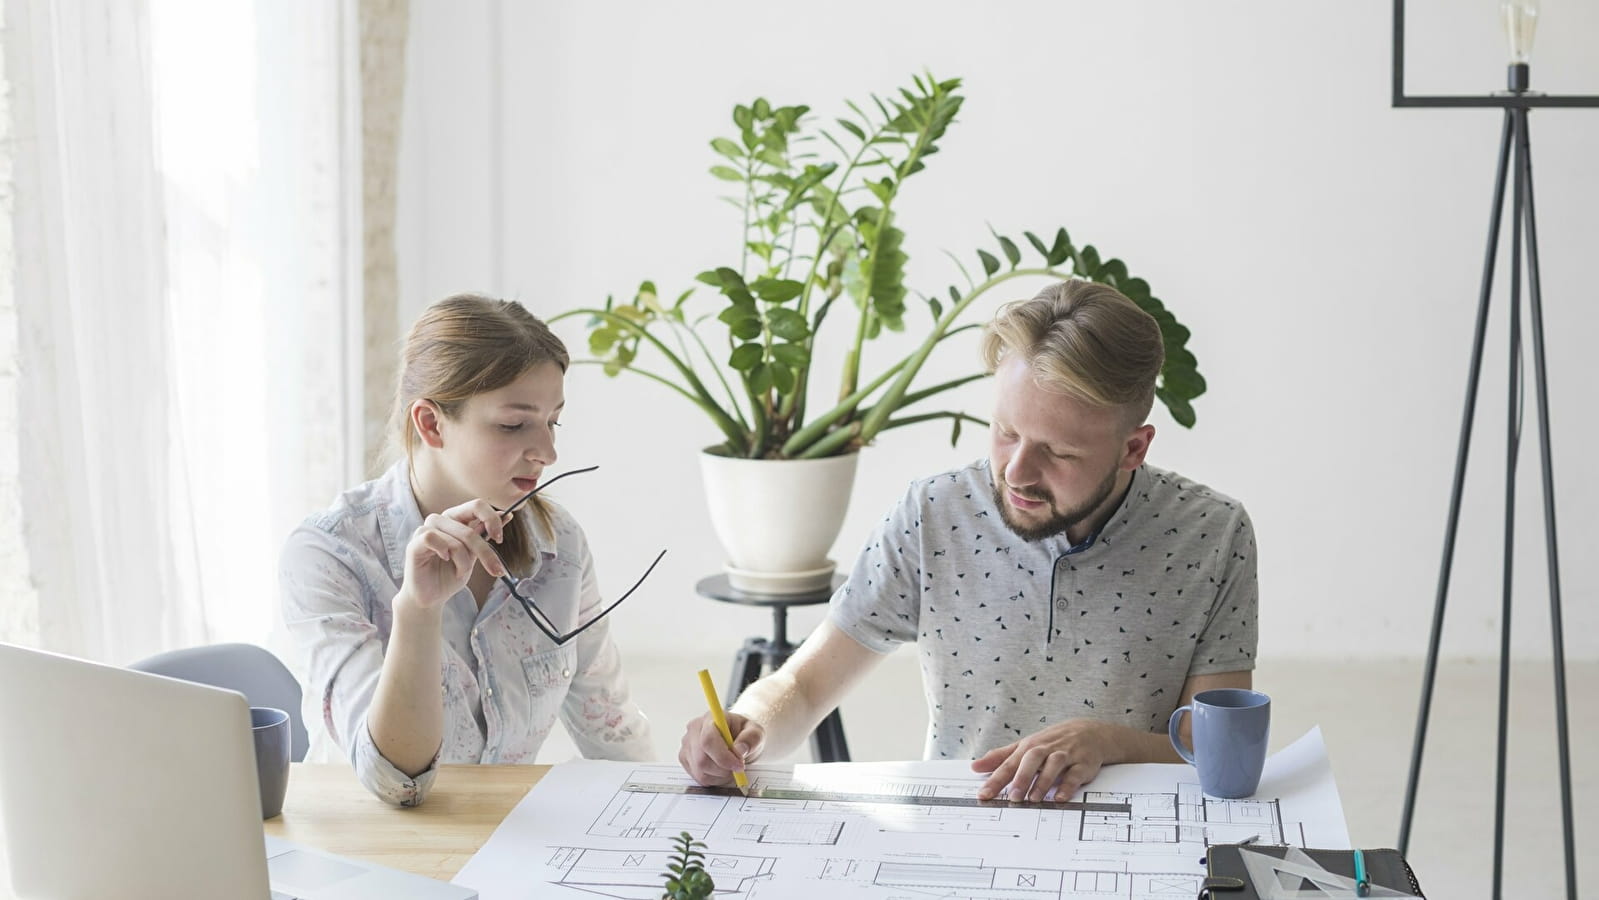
x=272, y=742
x=1230, y=730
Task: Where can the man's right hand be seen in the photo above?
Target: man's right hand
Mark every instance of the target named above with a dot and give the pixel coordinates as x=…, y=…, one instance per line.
x=705, y=756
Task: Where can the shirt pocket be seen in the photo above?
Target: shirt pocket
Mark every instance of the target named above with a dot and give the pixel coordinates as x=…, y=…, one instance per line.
x=549, y=675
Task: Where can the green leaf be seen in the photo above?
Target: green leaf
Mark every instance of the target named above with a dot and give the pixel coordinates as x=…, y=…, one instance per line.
x=1008, y=246
x=762, y=109
x=761, y=249
x=787, y=324
x=746, y=329
x=990, y=264
x=1061, y=250
x=727, y=148
x=1037, y=244
x=777, y=290
x=795, y=356
x=733, y=286
x=760, y=378
x=936, y=307
x=602, y=339
x=746, y=356
x=1088, y=262
x=1182, y=411
x=955, y=432
x=1184, y=382
x=726, y=173
x=852, y=128
x=707, y=277
x=647, y=299
x=782, y=378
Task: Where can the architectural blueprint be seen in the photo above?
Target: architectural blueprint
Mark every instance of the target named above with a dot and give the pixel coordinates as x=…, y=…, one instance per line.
x=894, y=831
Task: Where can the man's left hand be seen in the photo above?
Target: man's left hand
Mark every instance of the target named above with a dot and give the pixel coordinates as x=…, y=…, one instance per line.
x=1052, y=764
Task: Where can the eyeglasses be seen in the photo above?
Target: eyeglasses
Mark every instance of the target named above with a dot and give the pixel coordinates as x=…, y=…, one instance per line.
x=544, y=622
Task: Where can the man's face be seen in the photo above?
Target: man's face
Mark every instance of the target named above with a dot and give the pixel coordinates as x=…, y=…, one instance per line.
x=1056, y=461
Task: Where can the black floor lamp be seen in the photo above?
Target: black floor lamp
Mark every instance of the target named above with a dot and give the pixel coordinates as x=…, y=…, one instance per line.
x=1514, y=144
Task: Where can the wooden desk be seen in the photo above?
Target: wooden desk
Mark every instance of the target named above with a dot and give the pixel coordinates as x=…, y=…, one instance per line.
x=328, y=809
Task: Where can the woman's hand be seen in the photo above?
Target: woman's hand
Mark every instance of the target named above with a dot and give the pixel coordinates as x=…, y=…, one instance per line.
x=441, y=554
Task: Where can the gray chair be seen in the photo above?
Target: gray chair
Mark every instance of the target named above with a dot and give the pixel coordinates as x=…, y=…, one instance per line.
x=252, y=671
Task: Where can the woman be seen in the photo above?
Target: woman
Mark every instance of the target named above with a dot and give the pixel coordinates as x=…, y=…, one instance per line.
x=418, y=653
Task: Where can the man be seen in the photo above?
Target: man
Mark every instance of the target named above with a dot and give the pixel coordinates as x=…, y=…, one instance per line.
x=1064, y=596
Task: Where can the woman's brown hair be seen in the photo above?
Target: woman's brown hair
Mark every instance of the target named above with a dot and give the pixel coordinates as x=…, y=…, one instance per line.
x=463, y=346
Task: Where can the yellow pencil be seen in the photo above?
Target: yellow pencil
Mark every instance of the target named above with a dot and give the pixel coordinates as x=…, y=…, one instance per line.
x=721, y=725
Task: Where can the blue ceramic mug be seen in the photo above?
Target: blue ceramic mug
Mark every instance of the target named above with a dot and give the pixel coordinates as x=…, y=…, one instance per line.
x=1230, y=730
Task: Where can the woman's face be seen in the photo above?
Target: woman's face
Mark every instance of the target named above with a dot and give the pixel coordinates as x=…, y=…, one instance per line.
x=497, y=447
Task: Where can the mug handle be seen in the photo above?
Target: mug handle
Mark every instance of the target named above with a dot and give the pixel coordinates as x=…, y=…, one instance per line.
x=1173, y=732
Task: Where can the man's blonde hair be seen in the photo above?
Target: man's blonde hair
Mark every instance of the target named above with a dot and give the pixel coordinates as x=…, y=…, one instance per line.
x=1087, y=341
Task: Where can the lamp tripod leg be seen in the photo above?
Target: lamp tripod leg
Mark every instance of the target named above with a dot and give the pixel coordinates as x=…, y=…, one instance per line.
x=1514, y=407
x=1541, y=380
x=1462, y=452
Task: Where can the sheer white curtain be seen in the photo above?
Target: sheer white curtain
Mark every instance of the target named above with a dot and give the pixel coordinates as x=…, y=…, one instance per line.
x=182, y=287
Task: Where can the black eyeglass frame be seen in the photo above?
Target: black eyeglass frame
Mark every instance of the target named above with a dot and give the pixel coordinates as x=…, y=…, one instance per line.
x=540, y=620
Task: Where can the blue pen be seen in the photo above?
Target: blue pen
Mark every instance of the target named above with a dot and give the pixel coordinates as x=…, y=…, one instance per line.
x=1362, y=885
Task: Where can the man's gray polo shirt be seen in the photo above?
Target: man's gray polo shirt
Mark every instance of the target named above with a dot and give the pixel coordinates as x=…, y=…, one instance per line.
x=1015, y=636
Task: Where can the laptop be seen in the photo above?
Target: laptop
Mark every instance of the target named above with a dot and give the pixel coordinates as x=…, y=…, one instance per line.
x=122, y=784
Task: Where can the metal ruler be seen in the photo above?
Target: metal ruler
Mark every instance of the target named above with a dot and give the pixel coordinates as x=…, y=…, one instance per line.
x=766, y=793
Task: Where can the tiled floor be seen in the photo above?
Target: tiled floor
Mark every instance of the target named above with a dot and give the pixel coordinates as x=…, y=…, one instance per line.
x=1367, y=714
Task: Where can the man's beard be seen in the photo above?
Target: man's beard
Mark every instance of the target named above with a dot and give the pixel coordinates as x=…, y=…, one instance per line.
x=1058, y=522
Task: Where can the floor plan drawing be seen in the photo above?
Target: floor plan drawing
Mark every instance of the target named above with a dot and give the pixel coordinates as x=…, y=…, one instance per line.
x=630, y=874
x=635, y=876
x=893, y=831
x=1183, y=816
x=976, y=881
x=1187, y=816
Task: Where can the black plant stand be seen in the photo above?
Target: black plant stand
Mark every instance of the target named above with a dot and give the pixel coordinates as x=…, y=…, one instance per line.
x=761, y=654
x=1514, y=144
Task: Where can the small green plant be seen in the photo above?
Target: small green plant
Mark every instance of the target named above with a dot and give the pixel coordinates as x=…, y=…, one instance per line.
x=686, y=878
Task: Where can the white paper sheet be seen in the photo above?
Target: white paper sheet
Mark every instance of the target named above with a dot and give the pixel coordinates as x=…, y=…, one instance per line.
x=579, y=833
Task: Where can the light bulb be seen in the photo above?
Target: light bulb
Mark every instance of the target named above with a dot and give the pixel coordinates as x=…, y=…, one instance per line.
x=1521, y=25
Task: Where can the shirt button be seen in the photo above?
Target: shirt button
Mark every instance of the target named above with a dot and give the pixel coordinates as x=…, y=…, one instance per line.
x=1060, y=605
x=566, y=673
x=488, y=692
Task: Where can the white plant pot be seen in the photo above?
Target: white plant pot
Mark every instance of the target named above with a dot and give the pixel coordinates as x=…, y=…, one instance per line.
x=778, y=518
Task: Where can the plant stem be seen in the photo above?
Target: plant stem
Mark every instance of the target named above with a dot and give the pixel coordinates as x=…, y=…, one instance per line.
x=923, y=394
x=832, y=443
x=928, y=417
x=729, y=427
x=874, y=421
x=732, y=400
x=803, y=438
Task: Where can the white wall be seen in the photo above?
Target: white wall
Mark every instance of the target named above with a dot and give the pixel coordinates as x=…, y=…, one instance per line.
x=1324, y=248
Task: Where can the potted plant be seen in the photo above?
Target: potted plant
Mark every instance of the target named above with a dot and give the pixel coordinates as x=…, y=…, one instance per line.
x=821, y=256
x=685, y=875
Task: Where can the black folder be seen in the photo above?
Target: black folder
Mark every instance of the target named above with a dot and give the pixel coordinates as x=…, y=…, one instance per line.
x=1228, y=879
